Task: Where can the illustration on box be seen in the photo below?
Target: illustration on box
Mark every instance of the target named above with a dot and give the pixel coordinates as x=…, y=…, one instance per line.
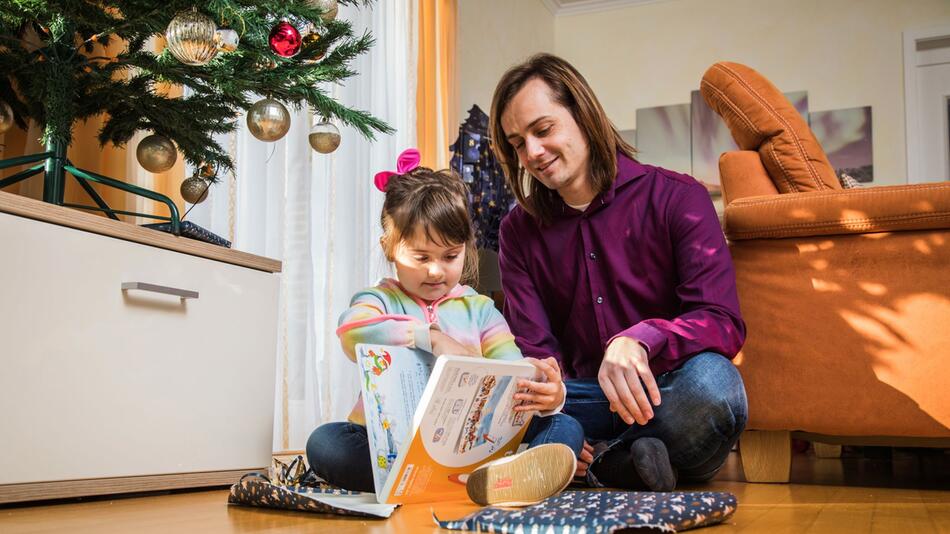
x=389, y=405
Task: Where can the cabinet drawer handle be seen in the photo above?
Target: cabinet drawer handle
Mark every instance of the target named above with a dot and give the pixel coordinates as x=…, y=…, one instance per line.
x=142, y=286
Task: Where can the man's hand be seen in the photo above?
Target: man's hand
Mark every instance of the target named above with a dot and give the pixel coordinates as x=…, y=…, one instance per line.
x=443, y=344
x=544, y=394
x=625, y=365
x=584, y=460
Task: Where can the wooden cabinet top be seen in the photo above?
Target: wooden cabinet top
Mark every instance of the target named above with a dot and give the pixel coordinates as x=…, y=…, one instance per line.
x=42, y=211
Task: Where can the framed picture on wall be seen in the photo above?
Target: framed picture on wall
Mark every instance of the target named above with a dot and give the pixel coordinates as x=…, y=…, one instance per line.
x=845, y=135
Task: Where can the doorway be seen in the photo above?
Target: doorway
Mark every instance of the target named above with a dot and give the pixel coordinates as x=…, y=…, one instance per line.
x=927, y=96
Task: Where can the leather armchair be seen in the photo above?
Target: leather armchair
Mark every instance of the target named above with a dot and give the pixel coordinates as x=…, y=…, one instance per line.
x=845, y=292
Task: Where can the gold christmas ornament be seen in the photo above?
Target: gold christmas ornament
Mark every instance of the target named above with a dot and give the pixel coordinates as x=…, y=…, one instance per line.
x=310, y=35
x=6, y=117
x=324, y=137
x=268, y=120
x=195, y=190
x=310, y=38
x=156, y=153
x=191, y=38
x=329, y=8
x=266, y=63
x=226, y=40
x=312, y=60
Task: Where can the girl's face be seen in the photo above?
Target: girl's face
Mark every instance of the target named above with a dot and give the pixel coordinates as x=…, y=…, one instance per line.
x=427, y=269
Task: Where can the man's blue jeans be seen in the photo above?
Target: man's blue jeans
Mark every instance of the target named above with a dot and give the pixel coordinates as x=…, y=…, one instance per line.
x=703, y=410
x=339, y=452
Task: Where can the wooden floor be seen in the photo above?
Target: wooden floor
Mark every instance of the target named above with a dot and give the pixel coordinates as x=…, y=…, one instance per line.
x=906, y=491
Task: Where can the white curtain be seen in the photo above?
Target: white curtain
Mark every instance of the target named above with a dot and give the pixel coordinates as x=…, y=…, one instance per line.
x=319, y=215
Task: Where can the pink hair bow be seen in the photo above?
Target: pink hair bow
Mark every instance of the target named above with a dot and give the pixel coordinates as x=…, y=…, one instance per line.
x=408, y=160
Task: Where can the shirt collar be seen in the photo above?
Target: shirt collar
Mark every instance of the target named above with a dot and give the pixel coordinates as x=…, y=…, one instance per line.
x=628, y=170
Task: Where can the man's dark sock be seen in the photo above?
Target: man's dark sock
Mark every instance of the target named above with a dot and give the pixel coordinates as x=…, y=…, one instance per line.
x=615, y=469
x=645, y=465
x=652, y=463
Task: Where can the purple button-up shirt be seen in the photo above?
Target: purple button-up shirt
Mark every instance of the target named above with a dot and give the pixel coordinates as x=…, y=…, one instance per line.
x=647, y=259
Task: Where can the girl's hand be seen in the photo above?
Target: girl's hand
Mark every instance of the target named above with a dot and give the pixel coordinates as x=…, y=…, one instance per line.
x=545, y=393
x=443, y=344
x=584, y=460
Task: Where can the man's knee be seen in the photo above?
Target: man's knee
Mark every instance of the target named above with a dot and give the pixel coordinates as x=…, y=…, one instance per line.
x=718, y=394
x=710, y=410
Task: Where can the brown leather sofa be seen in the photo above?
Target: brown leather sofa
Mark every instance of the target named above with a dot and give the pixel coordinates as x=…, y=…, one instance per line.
x=845, y=292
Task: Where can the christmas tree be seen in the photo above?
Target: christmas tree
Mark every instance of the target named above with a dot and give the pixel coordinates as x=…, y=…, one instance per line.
x=53, y=70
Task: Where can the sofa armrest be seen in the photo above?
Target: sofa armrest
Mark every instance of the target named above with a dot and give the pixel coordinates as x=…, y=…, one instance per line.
x=742, y=174
x=847, y=211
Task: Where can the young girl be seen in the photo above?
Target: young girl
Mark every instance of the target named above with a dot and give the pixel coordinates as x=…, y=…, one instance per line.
x=428, y=236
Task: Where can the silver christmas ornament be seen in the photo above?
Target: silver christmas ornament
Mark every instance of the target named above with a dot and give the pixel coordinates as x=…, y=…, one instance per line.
x=268, y=120
x=226, y=39
x=324, y=137
x=191, y=38
x=6, y=117
x=329, y=8
x=156, y=153
x=195, y=190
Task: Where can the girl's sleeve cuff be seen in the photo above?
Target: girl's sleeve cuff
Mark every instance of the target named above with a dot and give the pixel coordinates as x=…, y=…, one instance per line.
x=559, y=408
x=421, y=337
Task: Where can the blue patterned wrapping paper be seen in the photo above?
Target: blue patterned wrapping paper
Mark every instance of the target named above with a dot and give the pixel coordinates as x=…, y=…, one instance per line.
x=589, y=512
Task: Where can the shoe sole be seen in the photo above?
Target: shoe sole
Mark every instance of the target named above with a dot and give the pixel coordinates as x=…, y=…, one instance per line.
x=523, y=479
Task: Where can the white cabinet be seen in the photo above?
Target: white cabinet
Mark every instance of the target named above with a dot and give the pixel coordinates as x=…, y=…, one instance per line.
x=104, y=389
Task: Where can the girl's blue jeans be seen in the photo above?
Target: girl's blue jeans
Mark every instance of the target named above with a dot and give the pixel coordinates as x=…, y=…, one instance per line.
x=339, y=452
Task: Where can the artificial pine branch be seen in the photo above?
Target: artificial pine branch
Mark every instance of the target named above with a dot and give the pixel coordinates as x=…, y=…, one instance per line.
x=55, y=69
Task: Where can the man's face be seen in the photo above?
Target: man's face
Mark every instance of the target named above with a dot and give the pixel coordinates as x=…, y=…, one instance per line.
x=548, y=141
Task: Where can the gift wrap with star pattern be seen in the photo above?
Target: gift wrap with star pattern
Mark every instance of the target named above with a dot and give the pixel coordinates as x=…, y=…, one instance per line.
x=589, y=512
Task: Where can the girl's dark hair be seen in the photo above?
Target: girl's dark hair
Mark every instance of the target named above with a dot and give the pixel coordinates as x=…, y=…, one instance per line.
x=569, y=89
x=437, y=202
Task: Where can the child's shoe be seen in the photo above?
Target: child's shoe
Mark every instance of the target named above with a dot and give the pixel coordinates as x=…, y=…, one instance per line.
x=523, y=479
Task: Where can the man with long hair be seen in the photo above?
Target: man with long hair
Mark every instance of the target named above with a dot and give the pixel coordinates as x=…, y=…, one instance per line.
x=620, y=271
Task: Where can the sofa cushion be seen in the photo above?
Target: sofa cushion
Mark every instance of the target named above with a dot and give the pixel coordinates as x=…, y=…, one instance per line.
x=761, y=118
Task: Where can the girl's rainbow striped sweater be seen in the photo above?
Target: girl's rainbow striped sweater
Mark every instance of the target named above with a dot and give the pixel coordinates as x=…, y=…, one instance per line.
x=386, y=314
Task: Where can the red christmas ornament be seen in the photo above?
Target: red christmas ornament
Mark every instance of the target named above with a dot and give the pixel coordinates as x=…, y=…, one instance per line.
x=285, y=40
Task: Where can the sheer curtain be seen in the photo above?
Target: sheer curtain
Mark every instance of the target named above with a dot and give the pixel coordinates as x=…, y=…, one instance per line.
x=319, y=214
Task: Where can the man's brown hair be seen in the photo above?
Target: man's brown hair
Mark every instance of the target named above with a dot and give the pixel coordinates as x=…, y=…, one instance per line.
x=569, y=89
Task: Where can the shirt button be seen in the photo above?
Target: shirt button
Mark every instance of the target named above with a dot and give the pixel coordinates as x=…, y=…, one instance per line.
x=600, y=300
x=593, y=256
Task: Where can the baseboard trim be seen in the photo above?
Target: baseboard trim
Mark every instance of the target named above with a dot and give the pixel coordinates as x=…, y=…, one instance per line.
x=884, y=441
x=64, y=489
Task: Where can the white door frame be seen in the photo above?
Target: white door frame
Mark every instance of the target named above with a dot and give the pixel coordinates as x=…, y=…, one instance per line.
x=912, y=106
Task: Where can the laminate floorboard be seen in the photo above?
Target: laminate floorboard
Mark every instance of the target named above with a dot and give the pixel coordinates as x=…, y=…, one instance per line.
x=904, y=492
